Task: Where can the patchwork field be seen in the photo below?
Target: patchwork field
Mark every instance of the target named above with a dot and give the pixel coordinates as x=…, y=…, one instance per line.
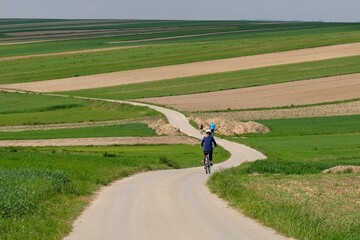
x=285, y=75
x=305, y=92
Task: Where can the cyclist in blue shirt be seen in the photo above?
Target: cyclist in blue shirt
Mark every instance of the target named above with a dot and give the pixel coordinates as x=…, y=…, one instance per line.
x=212, y=127
x=207, y=144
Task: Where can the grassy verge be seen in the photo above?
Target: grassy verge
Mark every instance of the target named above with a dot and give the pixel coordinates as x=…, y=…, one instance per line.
x=54, y=67
x=288, y=191
x=44, y=189
x=230, y=80
x=23, y=109
x=123, y=130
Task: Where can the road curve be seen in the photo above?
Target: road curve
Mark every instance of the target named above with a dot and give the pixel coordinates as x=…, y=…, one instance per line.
x=169, y=204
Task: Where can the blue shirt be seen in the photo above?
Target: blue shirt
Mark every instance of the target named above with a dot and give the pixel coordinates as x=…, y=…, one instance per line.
x=212, y=126
x=207, y=142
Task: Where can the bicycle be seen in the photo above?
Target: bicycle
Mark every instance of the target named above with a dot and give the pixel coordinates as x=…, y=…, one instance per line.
x=207, y=164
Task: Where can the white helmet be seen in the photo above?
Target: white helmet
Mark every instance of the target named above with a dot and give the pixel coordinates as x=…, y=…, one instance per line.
x=208, y=131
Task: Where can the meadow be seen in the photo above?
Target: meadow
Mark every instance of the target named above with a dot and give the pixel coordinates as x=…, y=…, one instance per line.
x=44, y=189
x=288, y=191
x=121, y=130
x=80, y=64
x=32, y=109
x=229, y=80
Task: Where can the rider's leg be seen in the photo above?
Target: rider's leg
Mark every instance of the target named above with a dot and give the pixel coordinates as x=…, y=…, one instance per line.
x=211, y=157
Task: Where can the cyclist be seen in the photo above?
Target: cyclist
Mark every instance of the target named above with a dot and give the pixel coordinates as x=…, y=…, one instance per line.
x=207, y=144
x=201, y=127
x=212, y=128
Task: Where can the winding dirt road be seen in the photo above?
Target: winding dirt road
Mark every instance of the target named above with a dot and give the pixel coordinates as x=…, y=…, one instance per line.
x=172, y=204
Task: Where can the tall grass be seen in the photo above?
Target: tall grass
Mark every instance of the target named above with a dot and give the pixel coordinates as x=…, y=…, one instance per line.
x=22, y=191
x=42, y=190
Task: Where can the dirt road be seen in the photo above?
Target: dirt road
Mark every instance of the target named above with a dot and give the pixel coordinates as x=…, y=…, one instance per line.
x=173, y=204
x=190, y=69
x=107, y=141
x=314, y=91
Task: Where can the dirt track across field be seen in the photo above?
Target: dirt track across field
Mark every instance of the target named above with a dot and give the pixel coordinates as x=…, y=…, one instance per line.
x=313, y=91
x=108, y=141
x=339, y=109
x=190, y=69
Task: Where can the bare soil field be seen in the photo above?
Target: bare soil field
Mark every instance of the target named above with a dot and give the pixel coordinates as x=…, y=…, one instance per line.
x=340, y=109
x=100, y=141
x=188, y=70
x=313, y=91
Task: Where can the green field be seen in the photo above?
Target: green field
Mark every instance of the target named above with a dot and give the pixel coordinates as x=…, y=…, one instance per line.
x=123, y=130
x=288, y=191
x=229, y=80
x=54, y=67
x=44, y=189
x=29, y=109
x=151, y=31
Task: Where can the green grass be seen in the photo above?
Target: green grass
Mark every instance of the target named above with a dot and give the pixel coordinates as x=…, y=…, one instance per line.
x=123, y=130
x=230, y=80
x=54, y=67
x=44, y=189
x=25, y=109
x=288, y=191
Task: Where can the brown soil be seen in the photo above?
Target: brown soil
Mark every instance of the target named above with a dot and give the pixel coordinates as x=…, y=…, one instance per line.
x=66, y=53
x=340, y=109
x=229, y=127
x=343, y=169
x=100, y=141
x=190, y=69
x=163, y=128
x=313, y=91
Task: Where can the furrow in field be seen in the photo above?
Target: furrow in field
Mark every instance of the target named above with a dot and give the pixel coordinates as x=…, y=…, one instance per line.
x=329, y=89
x=189, y=69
